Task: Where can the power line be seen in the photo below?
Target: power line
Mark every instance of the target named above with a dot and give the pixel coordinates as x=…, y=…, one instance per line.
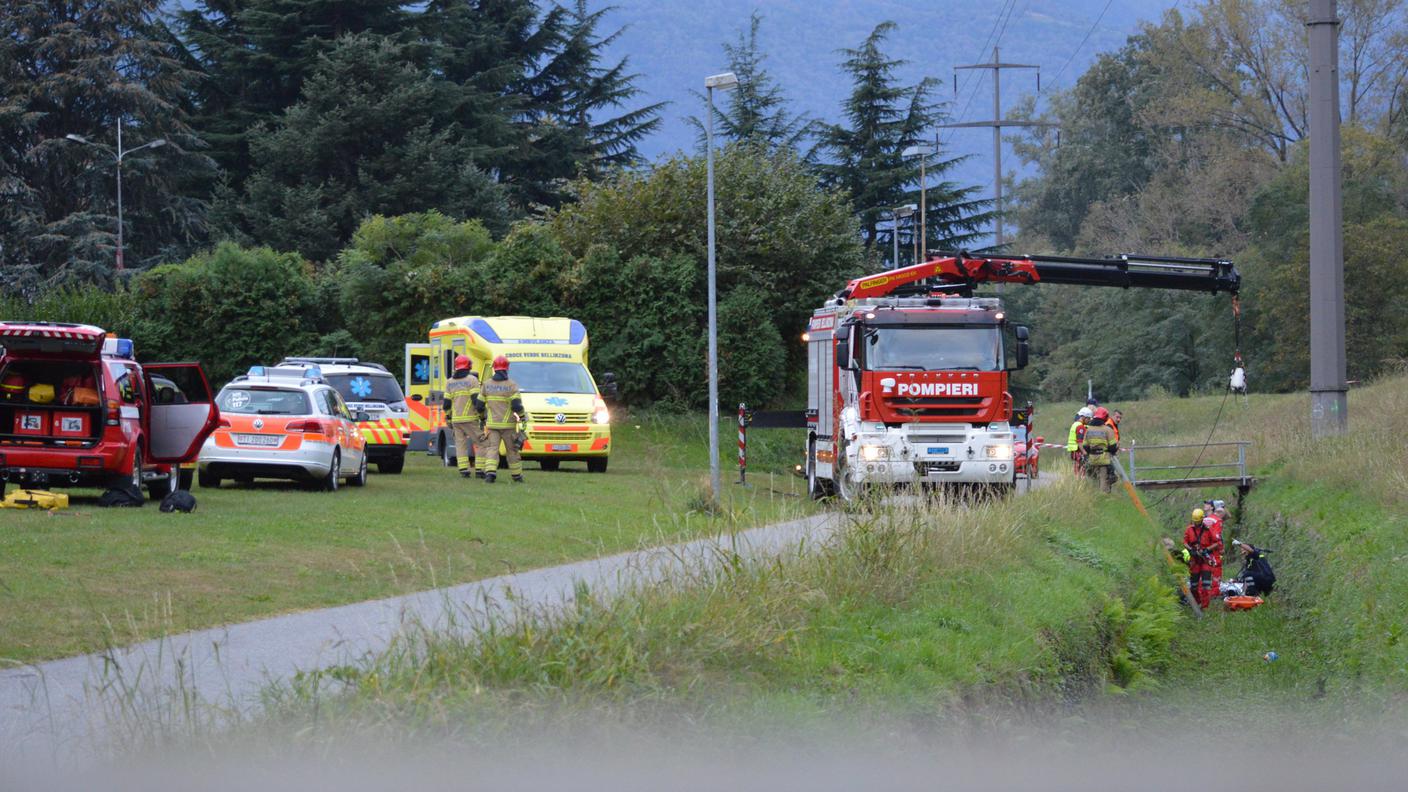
x=1079, y=46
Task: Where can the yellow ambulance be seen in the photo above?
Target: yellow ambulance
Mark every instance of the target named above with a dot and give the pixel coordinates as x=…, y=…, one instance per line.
x=567, y=417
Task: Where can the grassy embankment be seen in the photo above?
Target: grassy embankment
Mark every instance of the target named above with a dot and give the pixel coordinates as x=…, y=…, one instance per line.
x=83, y=578
x=939, y=613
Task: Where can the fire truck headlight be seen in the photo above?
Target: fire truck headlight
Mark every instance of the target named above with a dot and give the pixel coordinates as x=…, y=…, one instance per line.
x=999, y=452
x=870, y=453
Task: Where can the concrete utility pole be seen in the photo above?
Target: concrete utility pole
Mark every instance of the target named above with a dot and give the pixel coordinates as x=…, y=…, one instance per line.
x=1329, y=412
x=722, y=82
x=997, y=123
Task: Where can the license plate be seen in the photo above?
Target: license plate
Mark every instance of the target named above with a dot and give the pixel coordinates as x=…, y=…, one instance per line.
x=258, y=440
x=561, y=447
x=937, y=450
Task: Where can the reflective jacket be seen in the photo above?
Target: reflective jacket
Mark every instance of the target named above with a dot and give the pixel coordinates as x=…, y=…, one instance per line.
x=459, y=394
x=500, y=401
x=1073, y=439
x=1099, y=444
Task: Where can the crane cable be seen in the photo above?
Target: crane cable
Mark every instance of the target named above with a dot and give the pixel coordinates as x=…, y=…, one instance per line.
x=1237, y=359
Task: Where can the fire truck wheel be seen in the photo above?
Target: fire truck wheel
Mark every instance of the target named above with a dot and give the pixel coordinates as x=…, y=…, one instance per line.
x=817, y=488
x=158, y=490
x=134, y=478
x=849, y=491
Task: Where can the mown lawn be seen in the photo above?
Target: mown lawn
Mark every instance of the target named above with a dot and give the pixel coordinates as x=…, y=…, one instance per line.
x=76, y=580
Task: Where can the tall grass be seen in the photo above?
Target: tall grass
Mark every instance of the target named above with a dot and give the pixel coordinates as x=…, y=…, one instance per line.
x=900, y=597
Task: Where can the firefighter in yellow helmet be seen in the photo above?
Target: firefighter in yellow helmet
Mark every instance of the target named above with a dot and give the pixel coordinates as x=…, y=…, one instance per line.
x=460, y=391
x=501, y=410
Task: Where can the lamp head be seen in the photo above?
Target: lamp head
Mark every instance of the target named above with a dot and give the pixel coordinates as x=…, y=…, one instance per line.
x=722, y=82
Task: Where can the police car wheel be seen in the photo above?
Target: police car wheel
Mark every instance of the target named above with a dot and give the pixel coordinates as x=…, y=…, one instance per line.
x=360, y=480
x=208, y=480
x=334, y=477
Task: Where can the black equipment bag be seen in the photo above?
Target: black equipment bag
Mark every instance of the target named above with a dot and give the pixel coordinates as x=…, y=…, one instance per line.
x=122, y=495
x=179, y=501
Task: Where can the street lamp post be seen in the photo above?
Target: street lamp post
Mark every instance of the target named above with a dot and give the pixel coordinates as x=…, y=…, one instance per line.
x=923, y=153
x=117, y=159
x=722, y=82
x=897, y=214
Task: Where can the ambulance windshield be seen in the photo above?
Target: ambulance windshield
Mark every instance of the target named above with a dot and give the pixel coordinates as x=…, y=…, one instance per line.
x=367, y=388
x=937, y=348
x=542, y=377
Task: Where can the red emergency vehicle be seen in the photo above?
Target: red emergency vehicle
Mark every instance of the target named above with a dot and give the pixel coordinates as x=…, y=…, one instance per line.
x=77, y=410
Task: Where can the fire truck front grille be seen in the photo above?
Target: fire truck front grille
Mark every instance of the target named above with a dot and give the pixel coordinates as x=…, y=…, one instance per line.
x=937, y=406
x=925, y=468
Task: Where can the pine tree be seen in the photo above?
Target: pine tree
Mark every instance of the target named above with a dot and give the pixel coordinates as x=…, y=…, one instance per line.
x=81, y=68
x=255, y=56
x=883, y=118
x=374, y=133
x=581, y=90
x=534, y=89
x=756, y=111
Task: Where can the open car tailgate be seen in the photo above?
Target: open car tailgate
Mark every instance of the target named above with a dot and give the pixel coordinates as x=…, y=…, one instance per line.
x=51, y=338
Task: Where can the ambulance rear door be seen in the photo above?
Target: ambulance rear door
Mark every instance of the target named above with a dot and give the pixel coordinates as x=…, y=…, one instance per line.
x=419, y=358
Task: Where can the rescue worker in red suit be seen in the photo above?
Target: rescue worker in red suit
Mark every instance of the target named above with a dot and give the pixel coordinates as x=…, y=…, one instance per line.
x=1203, y=539
x=1218, y=513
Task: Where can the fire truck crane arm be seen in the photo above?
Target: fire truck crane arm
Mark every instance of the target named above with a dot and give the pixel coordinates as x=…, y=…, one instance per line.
x=1124, y=271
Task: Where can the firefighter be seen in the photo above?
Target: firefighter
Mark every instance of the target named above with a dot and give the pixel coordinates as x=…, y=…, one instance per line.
x=1115, y=418
x=1077, y=433
x=1203, y=540
x=460, y=392
x=501, y=410
x=1100, y=446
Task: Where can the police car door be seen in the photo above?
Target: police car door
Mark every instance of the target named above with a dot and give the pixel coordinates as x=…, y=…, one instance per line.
x=181, y=412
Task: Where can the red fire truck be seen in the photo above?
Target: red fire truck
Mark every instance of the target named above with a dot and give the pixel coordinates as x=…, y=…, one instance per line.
x=908, y=371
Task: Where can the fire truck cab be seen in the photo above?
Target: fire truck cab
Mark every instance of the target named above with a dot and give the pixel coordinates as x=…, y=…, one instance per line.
x=910, y=391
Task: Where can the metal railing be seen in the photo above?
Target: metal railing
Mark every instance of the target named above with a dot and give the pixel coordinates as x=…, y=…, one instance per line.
x=1235, y=470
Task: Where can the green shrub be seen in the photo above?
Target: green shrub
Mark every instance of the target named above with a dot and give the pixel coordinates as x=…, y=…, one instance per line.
x=229, y=308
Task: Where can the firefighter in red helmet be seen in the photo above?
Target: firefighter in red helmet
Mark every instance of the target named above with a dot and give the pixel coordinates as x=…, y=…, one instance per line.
x=501, y=410
x=1100, y=446
x=460, y=392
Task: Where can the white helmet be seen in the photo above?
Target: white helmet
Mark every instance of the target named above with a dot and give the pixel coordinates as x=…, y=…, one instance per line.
x=1086, y=412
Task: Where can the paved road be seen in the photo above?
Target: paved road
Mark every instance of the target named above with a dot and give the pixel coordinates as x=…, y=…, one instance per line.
x=61, y=708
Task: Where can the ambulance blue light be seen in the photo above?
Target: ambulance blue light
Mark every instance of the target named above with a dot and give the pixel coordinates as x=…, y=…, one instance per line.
x=256, y=371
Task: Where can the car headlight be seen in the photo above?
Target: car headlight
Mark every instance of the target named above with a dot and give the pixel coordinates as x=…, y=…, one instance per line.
x=600, y=415
x=999, y=452
x=870, y=453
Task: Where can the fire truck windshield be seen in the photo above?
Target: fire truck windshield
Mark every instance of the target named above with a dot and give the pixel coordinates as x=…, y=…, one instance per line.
x=933, y=348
